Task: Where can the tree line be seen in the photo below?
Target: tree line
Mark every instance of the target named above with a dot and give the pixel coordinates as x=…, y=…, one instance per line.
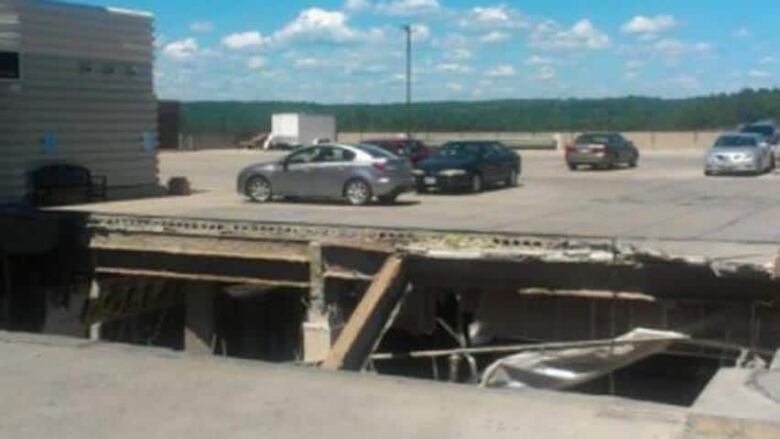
x=632, y=113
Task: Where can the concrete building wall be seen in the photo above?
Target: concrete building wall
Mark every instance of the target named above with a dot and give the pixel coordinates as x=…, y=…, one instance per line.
x=85, y=96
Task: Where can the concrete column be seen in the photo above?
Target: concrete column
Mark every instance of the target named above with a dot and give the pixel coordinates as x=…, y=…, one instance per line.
x=200, y=302
x=317, y=332
x=94, y=294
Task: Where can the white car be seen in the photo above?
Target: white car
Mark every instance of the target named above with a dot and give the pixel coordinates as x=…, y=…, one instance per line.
x=739, y=153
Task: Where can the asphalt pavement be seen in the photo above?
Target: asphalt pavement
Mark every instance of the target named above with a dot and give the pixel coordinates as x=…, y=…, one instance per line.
x=666, y=198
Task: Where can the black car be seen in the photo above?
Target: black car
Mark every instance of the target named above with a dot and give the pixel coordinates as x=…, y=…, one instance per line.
x=601, y=150
x=469, y=165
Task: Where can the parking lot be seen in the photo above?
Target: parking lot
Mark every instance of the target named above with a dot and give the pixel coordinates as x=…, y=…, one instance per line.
x=667, y=198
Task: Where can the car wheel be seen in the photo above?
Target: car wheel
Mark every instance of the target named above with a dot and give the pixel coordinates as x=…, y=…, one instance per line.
x=421, y=189
x=258, y=189
x=572, y=166
x=511, y=180
x=357, y=192
x=477, y=184
x=708, y=173
x=633, y=163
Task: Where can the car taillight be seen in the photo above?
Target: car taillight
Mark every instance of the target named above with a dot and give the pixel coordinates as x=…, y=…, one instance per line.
x=597, y=149
x=381, y=167
x=570, y=148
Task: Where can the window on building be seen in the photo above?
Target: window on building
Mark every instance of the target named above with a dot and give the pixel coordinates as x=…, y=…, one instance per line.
x=9, y=65
x=85, y=67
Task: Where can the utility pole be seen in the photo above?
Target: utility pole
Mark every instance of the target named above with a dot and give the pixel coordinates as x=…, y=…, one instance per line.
x=408, y=29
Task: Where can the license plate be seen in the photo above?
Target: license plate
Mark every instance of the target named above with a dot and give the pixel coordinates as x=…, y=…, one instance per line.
x=430, y=180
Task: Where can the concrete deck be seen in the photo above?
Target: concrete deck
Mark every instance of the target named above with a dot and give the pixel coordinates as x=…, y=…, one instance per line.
x=739, y=403
x=67, y=388
x=666, y=202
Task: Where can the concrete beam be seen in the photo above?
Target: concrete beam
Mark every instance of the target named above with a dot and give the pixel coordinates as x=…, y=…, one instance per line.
x=364, y=329
x=201, y=246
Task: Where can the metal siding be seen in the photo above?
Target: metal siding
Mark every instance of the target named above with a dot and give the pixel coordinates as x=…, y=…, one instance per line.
x=97, y=118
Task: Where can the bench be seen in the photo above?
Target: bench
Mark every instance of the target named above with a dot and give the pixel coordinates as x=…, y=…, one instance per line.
x=56, y=184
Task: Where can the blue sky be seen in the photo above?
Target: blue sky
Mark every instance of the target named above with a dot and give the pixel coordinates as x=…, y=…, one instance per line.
x=352, y=50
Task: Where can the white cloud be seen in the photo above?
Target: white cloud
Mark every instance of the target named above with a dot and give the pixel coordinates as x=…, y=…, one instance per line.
x=421, y=32
x=536, y=60
x=634, y=64
x=454, y=68
x=244, y=40
x=181, y=49
x=460, y=54
x=357, y=5
x=256, y=63
x=408, y=7
x=309, y=63
x=366, y=69
x=320, y=25
x=493, y=17
x=742, y=32
x=767, y=60
x=495, y=37
x=582, y=35
x=454, y=86
x=684, y=81
x=546, y=73
x=202, y=27
x=759, y=74
x=631, y=75
x=675, y=48
x=501, y=71
x=641, y=25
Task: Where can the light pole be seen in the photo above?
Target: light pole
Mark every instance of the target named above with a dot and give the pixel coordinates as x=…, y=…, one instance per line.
x=408, y=29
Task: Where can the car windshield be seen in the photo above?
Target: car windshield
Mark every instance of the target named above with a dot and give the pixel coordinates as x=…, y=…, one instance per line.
x=736, y=142
x=593, y=138
x=376, y=152
x=460, y=149
x=764, y=130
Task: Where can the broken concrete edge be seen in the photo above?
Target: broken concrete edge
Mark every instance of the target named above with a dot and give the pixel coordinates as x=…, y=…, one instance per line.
x=758, y=263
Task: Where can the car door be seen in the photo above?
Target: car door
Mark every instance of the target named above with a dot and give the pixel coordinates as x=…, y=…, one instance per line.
x=297, y=175
x=619, y=148
x=334, y=167
x=492, y=157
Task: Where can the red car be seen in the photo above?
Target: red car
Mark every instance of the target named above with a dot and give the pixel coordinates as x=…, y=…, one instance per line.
x=412, y=149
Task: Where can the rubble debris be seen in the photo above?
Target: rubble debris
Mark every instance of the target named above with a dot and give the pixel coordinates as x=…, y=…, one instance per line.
x=561, y=369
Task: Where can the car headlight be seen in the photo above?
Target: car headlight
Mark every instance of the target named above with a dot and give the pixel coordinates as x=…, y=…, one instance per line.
x=418, y=172
x=452, y=172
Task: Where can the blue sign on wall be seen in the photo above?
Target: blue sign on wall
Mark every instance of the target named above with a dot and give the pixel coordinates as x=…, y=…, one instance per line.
x=149, y=142
x=49, y=144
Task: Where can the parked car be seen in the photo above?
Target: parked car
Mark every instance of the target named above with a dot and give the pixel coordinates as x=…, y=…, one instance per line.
x=414, y=150
x=739, y=153
x=769, y=131
x=471, y=165
x=601, y=150
x=282, y=143
x=355, y=173
x=256, y=141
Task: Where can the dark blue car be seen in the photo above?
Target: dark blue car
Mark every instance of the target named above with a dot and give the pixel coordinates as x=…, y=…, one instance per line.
x=469, y=165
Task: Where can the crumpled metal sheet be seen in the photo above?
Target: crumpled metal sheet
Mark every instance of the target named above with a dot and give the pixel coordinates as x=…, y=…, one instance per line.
x=564, y=368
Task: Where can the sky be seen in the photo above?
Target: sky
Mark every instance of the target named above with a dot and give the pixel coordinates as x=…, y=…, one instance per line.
x=345, y=51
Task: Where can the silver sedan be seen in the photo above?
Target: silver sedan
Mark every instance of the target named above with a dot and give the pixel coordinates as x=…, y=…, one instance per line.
x=355, y=173
x=739, y=153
